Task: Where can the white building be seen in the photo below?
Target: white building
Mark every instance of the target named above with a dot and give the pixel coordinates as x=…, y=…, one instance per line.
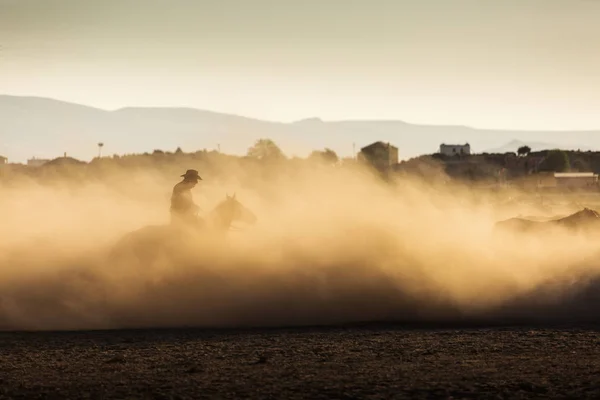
x=576, y=179
x=36, y=162
x=455, y=149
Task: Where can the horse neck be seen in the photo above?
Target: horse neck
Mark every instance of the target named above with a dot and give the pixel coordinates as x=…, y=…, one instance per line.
x=219, y=218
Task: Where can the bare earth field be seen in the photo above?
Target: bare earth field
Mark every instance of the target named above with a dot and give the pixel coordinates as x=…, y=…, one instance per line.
x=372, y=362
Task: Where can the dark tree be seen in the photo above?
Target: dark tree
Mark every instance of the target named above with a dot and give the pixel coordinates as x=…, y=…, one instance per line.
x=524, y=150
x=327, y=156
x=555, y=161
x=265, y=149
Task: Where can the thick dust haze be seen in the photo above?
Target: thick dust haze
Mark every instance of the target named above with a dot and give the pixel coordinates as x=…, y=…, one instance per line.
x=330, y=245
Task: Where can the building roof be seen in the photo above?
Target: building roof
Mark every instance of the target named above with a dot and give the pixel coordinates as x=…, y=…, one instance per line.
x=64, y=161
x=378, y=144
x=574, y=174
x=3, y=158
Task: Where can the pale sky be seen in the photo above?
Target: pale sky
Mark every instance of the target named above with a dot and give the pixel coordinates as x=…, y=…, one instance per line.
x=523, y=64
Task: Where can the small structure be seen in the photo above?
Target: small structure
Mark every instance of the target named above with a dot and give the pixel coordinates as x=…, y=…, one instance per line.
x=3, y=160
x=64, y=161
x=36, y=162
x=380, y=155
x=455, y=149
x=576, y=180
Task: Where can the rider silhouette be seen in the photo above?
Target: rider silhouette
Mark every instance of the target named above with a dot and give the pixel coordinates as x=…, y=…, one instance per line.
x=183, y=209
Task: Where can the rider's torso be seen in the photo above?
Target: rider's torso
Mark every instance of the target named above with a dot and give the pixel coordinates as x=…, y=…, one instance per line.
x=182, y=201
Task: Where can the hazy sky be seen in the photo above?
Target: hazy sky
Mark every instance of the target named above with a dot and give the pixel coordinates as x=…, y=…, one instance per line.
x=486, y=63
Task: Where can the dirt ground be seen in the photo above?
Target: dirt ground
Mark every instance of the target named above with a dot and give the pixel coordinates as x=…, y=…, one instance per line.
x=308, y=363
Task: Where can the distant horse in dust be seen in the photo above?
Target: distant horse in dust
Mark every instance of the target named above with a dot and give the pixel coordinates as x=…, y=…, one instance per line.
x=581, y=220
x=149, y=243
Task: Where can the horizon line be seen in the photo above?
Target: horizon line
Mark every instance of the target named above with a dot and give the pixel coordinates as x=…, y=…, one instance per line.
x=204, y=150
x=302, y=120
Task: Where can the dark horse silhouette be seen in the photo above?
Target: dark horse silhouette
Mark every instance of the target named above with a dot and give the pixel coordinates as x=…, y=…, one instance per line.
x=584, y=219
x=150, y=242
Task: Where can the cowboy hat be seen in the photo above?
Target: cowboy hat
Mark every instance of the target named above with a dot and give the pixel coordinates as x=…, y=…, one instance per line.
x=191, y=174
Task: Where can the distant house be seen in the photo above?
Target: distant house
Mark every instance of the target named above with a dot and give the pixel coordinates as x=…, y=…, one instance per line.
x=64, y=161
x=36, y=162
x=455, y=149
x=3, y=160
x=560, y=180
x=379, y=154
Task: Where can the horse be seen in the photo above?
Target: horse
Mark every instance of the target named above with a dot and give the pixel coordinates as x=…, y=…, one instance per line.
x=151, y=242
x=220, y=219
x=583, y=219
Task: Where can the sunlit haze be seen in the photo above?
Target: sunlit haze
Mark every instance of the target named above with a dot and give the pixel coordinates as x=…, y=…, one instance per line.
x=299, y=198
x=518, y=64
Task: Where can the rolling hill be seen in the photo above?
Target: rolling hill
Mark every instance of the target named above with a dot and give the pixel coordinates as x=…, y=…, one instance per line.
x=47, y=128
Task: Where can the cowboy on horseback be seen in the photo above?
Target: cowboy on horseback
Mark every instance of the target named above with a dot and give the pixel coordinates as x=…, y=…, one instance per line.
x=183, y=209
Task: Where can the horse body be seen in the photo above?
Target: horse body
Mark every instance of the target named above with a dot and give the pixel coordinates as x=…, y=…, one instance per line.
x=151, y=242
x=581, y=220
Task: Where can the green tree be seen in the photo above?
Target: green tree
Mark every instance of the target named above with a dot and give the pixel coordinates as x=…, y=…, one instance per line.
x=265, y=149
x=327, y=156
x=555, y=161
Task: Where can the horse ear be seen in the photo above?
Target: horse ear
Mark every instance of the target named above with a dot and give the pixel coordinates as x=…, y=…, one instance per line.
x=226, y=195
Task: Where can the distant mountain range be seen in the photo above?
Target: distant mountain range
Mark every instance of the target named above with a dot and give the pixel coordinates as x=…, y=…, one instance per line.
x=47, y=128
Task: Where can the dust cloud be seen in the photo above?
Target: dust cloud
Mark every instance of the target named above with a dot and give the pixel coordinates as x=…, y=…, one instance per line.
x=331, y=245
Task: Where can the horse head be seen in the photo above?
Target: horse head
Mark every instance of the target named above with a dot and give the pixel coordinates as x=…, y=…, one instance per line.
x=231, y=210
